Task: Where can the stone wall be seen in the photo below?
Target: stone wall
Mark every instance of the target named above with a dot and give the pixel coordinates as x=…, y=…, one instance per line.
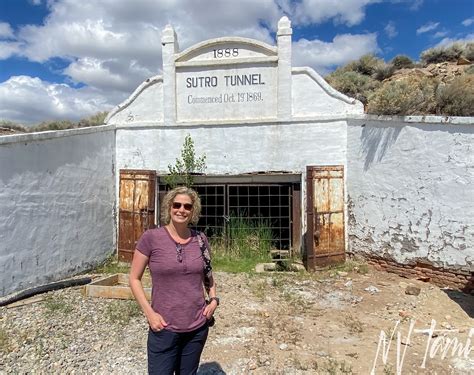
x=56, y=205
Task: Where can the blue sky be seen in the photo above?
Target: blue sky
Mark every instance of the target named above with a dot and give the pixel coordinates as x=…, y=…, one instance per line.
x=68, y=59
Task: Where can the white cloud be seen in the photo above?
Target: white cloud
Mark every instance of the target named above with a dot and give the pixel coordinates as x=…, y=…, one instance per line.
x=30, y=100
x=8, y=49
x=448, y=41
x=427, y=27
x=468, y=21
x=324, y=56
x=440, y=34
x=349, y=12
x=6, y=31
x=113, y=45
x=391, y=30
x=414, y=4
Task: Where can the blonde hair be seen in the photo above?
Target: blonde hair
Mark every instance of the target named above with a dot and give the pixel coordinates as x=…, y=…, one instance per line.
x=168, y=201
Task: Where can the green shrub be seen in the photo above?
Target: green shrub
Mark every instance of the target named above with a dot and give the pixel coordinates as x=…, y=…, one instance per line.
x=469, y=69
x=469, y=52
x=94, y=120
x=407, y=96
x=456, y=98
x=402, y=61
x=449, y=53
x=366, y=65
x=53, y=125
x=353, y=84
x=13, y=125
x=383, y=72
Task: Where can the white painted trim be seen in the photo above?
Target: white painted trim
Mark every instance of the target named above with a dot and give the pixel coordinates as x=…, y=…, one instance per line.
x=244, y=60
x=41, y=136
x=324, y=85
x=216, y=41
x=147, y=83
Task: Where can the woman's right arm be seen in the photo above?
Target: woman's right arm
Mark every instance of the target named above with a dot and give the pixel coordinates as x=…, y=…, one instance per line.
x=139, y=264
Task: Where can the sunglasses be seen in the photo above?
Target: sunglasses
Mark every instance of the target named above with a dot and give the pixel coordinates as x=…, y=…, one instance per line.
x=179, y=252
x=187, y=206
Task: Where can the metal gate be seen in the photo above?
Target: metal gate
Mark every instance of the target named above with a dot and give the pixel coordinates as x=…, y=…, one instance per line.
x=136, y=209
x=325, y=242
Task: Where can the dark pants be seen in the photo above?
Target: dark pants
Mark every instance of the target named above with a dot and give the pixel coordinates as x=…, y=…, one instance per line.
x=178, y=353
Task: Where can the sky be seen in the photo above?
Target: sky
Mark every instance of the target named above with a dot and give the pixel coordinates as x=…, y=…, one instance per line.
x=69, y=59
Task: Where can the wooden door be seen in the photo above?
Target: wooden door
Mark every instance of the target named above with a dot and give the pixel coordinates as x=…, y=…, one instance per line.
x=325, y=241
x=136, y=209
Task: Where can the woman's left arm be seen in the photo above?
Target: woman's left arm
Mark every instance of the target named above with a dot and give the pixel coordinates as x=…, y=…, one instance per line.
x=212, y=306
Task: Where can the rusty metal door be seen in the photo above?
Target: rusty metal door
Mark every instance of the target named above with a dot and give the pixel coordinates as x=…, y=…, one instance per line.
x=136, y=209
x=325, y=242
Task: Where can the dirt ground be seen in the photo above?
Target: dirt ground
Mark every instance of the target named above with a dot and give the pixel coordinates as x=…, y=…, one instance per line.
x=268, y=323
x=331, y=322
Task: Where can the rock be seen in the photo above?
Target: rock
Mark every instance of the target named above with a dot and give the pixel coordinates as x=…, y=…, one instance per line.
x=463, y=61
x=348, y=284
x=402, y=284
x=412, y=290
x=372, y=289
x=283, y=346
x=404, y=314
x=342, y=273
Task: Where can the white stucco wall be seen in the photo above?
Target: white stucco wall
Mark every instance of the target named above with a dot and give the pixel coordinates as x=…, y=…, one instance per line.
x=411, y=189
x=56, y=204
x=312, y=96
x=235, y=148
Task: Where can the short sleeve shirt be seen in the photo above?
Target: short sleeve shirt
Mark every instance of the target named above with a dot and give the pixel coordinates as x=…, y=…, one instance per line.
x=177, y=286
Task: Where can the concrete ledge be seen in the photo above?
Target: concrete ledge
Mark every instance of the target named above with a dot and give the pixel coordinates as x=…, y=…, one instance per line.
x=428, y=119
x=41, y=136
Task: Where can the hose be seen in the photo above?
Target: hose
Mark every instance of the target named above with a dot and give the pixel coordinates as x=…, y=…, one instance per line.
x=45, y=288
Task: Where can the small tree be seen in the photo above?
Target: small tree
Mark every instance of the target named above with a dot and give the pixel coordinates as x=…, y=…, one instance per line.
x=181, y=173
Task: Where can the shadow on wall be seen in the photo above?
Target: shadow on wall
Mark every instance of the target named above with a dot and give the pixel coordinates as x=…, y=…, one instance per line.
x=376, y=141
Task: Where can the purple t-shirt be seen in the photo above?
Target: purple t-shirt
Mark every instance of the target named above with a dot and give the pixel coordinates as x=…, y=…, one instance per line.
x=177, y=287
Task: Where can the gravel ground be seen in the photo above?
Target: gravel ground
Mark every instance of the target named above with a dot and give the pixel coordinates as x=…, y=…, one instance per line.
x=268, y=323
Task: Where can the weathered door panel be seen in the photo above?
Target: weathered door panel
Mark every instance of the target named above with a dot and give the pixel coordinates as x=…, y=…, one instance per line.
x=325, y=216
x=136, y=209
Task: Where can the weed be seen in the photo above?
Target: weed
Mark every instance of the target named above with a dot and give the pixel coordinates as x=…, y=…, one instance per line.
x=259, y=289
x=354, y=325
x=363, y=269
x=388, y=370
x=277, y=282
x=111, y=266
x=4, y=343
x=247, y=241
x=351, y=266
x=335, y=367
x=121, y=311
x=56, y=304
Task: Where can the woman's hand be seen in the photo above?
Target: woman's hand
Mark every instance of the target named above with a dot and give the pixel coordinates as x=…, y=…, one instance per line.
x=209, y=310
x=156, y=321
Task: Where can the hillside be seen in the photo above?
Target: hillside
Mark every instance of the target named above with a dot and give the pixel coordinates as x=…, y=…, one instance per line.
x=442, y=83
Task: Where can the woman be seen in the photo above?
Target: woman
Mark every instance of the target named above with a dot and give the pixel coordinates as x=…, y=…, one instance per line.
x=177, y=257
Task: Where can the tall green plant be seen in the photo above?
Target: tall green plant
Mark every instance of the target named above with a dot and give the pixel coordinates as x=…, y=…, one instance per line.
x=181, y=173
